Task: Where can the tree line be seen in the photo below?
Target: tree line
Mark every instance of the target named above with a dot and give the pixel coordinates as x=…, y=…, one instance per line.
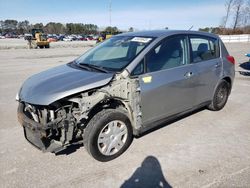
x=236, y=19
x=22, y=27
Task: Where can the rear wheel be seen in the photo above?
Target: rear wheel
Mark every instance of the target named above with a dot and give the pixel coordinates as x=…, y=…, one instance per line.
x=220, y=96
x=108, y=134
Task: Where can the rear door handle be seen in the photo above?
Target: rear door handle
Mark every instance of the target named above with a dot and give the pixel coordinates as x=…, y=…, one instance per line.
x=188, y=74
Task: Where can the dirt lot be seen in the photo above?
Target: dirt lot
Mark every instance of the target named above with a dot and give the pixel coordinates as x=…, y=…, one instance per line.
x=11, y=43
x=206, y=149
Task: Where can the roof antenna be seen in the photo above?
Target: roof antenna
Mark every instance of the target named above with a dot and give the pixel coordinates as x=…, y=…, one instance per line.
x=191, y=28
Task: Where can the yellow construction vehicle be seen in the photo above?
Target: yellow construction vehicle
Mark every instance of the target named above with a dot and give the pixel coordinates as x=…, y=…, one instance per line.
x=105, y=35
x=36, y=39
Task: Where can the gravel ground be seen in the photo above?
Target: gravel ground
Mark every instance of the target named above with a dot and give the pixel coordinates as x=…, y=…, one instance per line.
x=206, y=149
x=10, y=43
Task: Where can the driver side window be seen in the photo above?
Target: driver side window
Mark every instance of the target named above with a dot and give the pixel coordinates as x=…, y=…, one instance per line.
x=168, y=54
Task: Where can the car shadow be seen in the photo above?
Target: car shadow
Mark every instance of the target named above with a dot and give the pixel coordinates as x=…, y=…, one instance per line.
x=148, y=175
x=69, y=149
x=73, y=148
x=169, y=122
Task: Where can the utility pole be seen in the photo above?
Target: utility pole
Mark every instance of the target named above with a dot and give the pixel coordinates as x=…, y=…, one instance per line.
x=110, y=10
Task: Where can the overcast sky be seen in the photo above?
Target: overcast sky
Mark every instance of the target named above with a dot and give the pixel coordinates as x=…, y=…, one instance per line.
x=140, y=14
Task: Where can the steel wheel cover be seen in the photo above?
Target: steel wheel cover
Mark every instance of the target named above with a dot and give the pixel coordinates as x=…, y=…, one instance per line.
x=112, y=137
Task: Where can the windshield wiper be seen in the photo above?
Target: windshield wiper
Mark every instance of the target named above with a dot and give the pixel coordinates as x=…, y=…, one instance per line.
x=83, y=67
x=86, y=65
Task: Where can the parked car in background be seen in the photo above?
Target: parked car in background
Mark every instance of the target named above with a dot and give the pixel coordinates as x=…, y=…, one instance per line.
x=11, y=35
x=90, y=38
x=67, y=38
x=52, y=39
x=95, y=37
x=123, y=87
x=2, y=37
x=83, y=38
x=61, y=37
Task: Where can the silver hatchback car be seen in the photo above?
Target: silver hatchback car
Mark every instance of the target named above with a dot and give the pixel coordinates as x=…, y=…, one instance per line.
x=124, y=87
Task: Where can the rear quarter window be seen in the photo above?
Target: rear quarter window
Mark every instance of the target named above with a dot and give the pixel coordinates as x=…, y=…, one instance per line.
x=204, y=48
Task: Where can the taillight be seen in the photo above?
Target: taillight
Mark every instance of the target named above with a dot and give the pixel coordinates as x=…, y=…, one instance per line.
x=231, y=59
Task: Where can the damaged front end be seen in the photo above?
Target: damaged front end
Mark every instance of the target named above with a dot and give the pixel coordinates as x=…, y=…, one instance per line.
x=48, y=128
x=54, y=127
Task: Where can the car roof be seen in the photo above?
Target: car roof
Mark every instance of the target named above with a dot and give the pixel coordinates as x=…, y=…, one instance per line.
x=165, y=33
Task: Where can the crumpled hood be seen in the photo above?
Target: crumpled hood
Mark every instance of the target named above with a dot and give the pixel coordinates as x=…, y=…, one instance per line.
x=49, y=86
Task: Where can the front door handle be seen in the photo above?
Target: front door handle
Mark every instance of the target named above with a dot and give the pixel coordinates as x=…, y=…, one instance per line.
x=188, y=74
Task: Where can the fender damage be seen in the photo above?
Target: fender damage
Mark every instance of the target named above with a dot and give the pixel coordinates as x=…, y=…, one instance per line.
x=57, y=125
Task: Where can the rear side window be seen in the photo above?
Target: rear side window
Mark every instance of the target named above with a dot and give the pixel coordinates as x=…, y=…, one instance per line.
x=203, y=49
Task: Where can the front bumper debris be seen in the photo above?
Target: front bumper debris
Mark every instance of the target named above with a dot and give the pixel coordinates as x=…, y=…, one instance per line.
x=36, y=133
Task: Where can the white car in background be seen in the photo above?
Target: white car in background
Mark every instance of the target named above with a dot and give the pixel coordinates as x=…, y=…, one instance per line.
x=68, y=39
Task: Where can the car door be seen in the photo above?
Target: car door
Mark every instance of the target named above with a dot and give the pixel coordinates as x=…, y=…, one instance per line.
x=205, y=55
x=167, y=86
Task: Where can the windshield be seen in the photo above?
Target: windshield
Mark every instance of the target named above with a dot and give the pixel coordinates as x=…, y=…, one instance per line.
x=115, y=53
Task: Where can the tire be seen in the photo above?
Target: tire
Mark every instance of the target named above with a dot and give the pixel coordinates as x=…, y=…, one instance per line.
x=108, y=134
x=220, y=96
x=47, y=46
x=41, y=47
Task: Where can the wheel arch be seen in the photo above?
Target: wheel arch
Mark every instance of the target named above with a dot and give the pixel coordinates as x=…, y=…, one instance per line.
x=228, y=80
x=111, y=103
x=213, y=105
x=94, y=128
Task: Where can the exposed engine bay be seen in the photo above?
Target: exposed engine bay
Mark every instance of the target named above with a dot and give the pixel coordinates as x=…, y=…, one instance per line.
x=62, y=123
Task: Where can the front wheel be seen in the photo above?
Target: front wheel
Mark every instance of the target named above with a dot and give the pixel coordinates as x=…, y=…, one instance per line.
x=108, y=134
x=220, y=96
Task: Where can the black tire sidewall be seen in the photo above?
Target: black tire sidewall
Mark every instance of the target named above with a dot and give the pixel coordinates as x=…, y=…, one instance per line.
x=215, y=104
x=98, y=125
